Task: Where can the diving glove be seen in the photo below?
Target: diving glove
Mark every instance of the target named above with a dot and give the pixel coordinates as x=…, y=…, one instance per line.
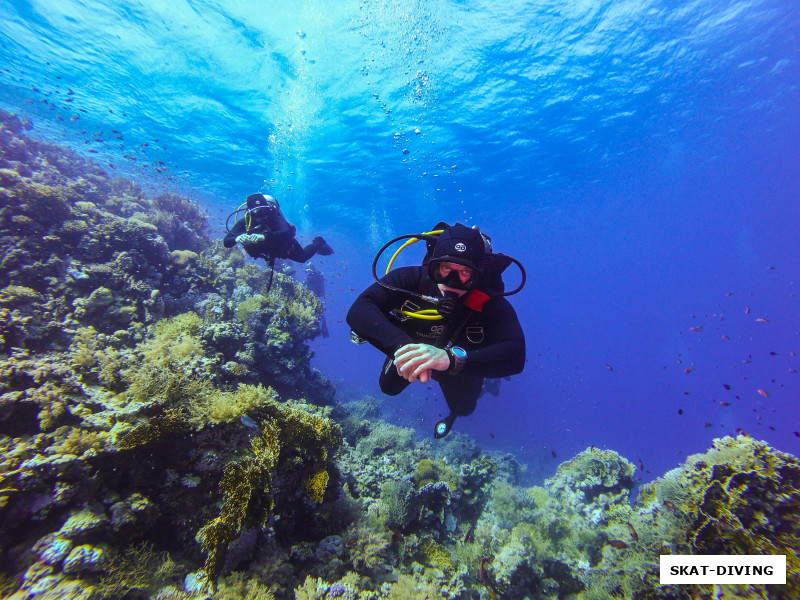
x=248, y=239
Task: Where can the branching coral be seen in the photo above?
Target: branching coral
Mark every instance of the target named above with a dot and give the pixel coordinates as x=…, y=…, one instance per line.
x=222, y=406
x=240, y=482
x=245, y=484
x=76, y=441
x=316, y=486
x=171, y=366
x=396, y=503
x=139, y=568
x=92, y=354
x=153, y=429
x=237, y=586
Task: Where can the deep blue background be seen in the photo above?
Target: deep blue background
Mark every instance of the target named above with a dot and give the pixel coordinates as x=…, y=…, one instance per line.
x=639, y=157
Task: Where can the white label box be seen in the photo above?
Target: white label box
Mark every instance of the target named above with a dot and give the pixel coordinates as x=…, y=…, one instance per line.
x=678, y=569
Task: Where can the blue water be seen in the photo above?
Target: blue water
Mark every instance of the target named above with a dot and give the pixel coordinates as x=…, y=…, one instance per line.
x=639, y=157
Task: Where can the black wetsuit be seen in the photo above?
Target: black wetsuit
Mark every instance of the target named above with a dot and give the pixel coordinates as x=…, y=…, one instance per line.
x=278, y=241
x=492, y=337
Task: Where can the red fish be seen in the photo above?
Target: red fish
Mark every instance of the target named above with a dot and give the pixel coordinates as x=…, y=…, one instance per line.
x=695, y=329
x=763, y=393
x=688, y=369
x=725, y=403
x=760, y=320
x=483, y=575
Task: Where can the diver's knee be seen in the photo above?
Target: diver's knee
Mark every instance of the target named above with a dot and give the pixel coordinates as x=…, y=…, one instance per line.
x=391, y=390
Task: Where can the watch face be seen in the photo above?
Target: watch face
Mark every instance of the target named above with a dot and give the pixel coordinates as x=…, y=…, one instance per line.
x=460, y=352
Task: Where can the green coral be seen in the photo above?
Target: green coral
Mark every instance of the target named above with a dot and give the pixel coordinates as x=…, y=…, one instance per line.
x=93, y=354
x=511, y=505
x=316, y=486
x=154, y=429
x=18, y=295
x=396, y=504
x=383, y=437
x=78, y=442
x=740, y=497
x=406, y=587
x=138, y=568
x=249, y=307
x=244, y=480
x=237, y=586
x=435, y=555
x=223, y=406
x=432, y=471
x=241, y=481
x=172, y=363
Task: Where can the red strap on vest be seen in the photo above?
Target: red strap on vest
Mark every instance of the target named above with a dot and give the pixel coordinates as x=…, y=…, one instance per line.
x=476, y=299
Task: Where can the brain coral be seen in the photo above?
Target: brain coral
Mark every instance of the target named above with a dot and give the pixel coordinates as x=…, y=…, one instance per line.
x=594, y=472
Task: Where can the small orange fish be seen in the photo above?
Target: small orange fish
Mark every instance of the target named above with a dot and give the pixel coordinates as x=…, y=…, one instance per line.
x=695, y=329
x=724, y=403
x=760, y=320
x=763, y=393
x=725, y=337
x=688, y=369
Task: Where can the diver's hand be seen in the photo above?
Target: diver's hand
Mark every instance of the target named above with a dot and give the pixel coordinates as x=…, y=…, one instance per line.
x=418, y=361
x=249, y=239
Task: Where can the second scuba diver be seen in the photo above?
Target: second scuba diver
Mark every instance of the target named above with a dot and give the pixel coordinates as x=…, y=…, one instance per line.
x=446, y=320
x=264, y=232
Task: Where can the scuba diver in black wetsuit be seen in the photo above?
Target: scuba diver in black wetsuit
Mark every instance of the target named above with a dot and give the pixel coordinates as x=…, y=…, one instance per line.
x=265, y=233
x=446, y=320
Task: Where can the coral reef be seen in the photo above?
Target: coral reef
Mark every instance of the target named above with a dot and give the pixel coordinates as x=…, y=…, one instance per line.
x=163, y=436
x=131, y=375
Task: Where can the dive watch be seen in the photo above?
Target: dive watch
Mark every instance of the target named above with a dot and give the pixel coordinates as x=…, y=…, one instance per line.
x=458, y=356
